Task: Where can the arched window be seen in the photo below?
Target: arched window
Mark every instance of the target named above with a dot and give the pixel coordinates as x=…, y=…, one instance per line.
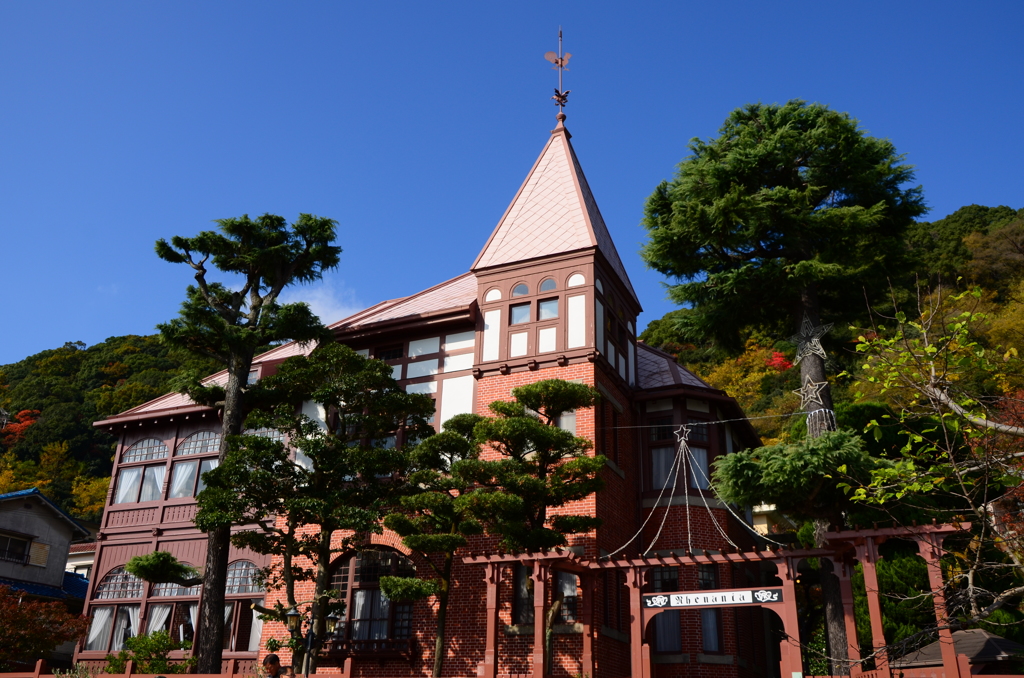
x=577, y=279
x=368, y=615
x=241, y=578
x=144, y=450
x=492, y=295
x=548, y=285
x=520, y=290
x=119, y=584
x=203, y=442
x=169, y=589
x=271, y=433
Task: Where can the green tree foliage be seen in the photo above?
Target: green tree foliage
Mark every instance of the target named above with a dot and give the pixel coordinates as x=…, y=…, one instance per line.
x=264, y=255
x=57, y=394
x=31, y=629
x=329, y=483
x=150, y=655
x=541, y=467
x=792, y=208
x=435, y=519
x=941, y=245
x=161, y=566
x=906, y=606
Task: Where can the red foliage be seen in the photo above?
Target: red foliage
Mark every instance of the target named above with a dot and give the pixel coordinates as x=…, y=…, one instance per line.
x=15, y=430
x=778, y=362
x=31, y=629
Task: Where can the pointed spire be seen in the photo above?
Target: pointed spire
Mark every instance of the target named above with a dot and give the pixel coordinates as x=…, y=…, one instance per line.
x=554, y=212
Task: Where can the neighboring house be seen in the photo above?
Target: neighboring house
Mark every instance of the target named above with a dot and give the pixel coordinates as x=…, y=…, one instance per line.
x=987, y=653
x=35, y=535
x=547, y=297
x=81, y=558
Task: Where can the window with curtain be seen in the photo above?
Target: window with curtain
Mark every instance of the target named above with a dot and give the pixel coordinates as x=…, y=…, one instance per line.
x=710, y=618
x=111, y=626
x=565, y=584
x=700, y=473
x=662, y=472
x=139, y=483
x=187, y=477
x=522, y=601
x=368, y=614
x=667, y=632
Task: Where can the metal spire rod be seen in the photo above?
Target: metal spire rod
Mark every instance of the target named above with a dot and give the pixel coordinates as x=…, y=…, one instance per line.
x=561, y=64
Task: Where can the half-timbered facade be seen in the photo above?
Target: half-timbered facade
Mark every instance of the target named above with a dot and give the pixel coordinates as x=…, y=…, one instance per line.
x=547, y=297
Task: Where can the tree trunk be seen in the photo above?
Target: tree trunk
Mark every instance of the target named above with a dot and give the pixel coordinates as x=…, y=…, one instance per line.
x=820, y=419
x=210, y=634
x=442, y=615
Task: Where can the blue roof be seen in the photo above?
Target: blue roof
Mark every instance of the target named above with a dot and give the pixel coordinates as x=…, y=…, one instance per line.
x=34, y=492
x=34, y=589
x=75, y=586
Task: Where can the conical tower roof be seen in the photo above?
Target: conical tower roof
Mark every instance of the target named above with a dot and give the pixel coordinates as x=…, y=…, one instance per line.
x=554, y=212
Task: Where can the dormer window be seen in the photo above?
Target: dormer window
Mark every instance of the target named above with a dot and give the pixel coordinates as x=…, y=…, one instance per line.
x=520, y=313
x=520, y=290
x=548, y=285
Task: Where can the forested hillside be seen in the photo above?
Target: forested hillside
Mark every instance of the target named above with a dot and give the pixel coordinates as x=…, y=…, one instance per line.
x=53, y=398
x=976, y=246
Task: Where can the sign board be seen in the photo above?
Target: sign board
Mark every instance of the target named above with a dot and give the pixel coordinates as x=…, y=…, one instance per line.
x=719, y=598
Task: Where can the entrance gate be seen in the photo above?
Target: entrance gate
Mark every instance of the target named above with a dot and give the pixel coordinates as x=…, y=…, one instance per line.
x=844, y=548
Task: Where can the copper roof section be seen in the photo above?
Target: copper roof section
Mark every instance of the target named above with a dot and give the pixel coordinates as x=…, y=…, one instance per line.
x=656, y=369
x=554, y=212
x=452, y=294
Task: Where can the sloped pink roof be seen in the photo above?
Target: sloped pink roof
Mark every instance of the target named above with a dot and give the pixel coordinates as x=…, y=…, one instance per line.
x=455, y=293
x=175, y=400
x=553, y=212
x=655, y=369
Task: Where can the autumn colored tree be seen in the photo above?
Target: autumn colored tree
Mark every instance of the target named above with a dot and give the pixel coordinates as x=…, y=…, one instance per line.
x=31, y=629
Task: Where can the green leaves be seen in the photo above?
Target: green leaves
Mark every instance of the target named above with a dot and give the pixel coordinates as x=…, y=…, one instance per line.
x=786, y=196
x=160, y=567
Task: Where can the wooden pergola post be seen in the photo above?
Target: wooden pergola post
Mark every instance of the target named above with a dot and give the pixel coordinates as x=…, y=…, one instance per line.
x=489, y=666
x=587, y=581
x=540, y=575
x=930, y=547
x=844, y=570
x=867, y=554
x=635, y=582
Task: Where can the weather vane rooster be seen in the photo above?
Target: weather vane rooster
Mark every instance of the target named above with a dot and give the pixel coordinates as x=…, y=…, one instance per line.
x=561, y=63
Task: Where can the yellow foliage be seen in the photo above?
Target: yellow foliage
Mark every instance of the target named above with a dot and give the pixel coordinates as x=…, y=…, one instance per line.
x=90, y=495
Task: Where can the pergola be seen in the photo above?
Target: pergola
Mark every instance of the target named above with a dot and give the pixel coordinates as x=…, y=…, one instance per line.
x=844, y=548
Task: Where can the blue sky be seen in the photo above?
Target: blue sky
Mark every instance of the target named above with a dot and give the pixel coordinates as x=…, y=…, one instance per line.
x=413, y=125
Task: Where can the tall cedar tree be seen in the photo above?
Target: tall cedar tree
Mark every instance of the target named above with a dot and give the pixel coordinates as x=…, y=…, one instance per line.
x=435, y=518
x=264, y=255
x=331, y=481
x=542, y=467
x=792, y=213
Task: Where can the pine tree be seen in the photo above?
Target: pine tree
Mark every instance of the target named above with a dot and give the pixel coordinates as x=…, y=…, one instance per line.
x=264, y=255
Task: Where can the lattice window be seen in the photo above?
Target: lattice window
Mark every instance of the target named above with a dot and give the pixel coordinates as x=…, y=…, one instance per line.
x=204, y=442
x=241, y=578
x=169, y=589
x=119, y=584
x=272, y=434
x=144, y=450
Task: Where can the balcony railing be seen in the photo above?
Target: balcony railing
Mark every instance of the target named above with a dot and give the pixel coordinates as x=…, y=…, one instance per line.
x=379, y=648
x=14, y=555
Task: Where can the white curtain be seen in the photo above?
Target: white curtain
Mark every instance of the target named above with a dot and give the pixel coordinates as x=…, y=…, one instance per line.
x=152, y=483
x=207, y=465
x=661, y=467
x=193, y=616
x=699, y=468
x=380, y=611
x=158, y=618
x=709, y=630
x=183, y=479
x=125, y=623
x=361, y=604
x=256, y=630
x=128, y=485
x=99, y=631
x=667, y=637
x=228, y=609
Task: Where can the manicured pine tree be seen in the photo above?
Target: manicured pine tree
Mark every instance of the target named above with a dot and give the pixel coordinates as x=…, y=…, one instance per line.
x=261, y=257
